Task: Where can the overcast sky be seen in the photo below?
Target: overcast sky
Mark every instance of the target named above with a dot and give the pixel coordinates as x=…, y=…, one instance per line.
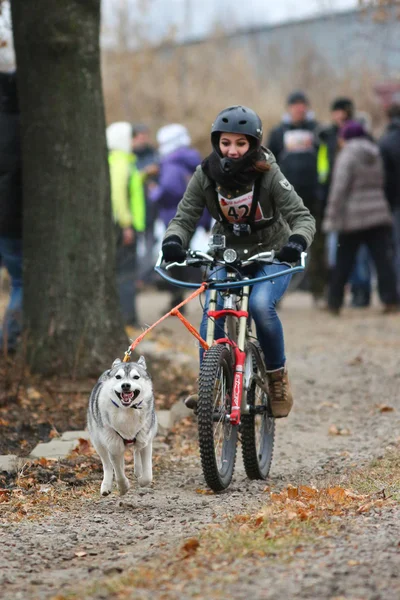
x=194, y=18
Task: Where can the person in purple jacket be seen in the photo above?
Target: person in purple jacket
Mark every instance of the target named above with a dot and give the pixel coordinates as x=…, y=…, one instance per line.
x=178, y=162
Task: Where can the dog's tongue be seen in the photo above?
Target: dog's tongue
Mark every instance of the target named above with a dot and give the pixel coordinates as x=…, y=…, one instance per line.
x=127, y=396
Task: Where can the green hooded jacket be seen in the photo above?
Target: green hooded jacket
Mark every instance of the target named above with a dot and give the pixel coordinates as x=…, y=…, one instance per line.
x=127, y=191
x=275, y=192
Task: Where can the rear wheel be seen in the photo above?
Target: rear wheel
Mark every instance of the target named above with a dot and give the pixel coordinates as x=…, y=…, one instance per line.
x=257, y=426
x=217, y=437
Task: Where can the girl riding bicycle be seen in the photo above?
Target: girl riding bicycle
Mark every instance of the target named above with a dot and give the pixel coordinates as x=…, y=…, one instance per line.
x=257, y=210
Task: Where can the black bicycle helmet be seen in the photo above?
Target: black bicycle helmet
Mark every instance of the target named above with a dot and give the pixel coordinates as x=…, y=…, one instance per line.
x=237, y=119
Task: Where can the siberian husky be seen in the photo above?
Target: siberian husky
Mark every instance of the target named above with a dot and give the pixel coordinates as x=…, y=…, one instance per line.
x=121, y=413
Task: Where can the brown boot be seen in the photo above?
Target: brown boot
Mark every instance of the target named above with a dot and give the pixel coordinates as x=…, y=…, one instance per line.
x=280, y=394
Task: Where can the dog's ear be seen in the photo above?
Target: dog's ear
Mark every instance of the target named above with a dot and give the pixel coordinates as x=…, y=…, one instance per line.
x=116, y=362
x=142, y=362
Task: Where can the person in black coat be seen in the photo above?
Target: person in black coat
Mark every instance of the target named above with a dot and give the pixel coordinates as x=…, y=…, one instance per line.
x=294, y=142
x=390, y=150
x=10, y=208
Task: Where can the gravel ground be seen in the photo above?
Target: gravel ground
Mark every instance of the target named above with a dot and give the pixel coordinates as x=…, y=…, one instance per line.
x=345, y=373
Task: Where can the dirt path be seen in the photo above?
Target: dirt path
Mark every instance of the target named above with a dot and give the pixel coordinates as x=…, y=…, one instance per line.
x=346, y=378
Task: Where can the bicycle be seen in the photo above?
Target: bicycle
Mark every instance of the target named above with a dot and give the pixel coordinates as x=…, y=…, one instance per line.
x=233, y=394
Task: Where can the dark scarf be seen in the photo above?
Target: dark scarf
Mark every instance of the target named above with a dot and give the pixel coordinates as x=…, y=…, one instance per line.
x=231, y=173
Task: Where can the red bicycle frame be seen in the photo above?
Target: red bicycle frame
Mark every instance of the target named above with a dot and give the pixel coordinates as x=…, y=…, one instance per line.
x=237, y=347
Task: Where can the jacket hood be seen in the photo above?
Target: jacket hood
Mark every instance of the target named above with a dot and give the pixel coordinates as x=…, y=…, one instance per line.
x=171, y=137
x=119, y=136
x=185, y=157
x=363, y=149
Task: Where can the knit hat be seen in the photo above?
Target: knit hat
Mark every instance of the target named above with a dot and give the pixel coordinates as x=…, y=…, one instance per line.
x=352, y=129
x=297, y=97
x=119, y=136
x=171, y=137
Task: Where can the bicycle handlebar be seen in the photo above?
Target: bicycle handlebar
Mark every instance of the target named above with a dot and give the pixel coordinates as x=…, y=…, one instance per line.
x=202, y=259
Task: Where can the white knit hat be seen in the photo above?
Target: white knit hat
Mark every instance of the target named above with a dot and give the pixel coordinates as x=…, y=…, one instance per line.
x=119, y=136
x=171, y=137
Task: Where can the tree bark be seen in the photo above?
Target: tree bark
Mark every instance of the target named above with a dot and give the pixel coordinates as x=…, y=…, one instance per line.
x=72, y=323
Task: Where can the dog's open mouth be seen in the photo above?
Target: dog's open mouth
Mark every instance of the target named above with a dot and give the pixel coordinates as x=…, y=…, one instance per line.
x=128, y=397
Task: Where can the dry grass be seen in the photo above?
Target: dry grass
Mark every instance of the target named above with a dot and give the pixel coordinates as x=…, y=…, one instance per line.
x=192, y=83
x=290, y=522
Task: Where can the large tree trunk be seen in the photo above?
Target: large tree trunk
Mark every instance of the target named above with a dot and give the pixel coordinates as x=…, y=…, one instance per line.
x=72, y=322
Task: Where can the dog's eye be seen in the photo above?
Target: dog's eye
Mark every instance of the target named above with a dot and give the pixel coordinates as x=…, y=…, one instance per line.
x=136, y=377
x=118, y=377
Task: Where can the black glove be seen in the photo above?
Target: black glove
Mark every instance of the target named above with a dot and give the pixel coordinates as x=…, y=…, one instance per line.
x=291, y=251
x=173, y=250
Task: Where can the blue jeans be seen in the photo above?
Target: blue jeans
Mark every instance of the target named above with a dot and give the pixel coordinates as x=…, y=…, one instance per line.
x=11, y=257
x=263, y=299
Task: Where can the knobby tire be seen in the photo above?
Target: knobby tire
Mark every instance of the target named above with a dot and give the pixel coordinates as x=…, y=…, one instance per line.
x=257, y=453
x=216, y=360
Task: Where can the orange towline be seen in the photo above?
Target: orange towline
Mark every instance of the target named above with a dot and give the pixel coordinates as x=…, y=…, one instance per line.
x=174, y=312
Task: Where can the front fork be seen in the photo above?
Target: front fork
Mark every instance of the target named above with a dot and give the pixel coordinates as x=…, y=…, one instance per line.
x=238, y=350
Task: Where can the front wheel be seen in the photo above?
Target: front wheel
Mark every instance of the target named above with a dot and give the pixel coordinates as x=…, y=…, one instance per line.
x=258, y=425
x=217, y=437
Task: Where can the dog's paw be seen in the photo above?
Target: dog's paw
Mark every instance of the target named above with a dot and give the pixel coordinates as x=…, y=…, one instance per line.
x=138, y=472
x=105, y=490
x=144, y=481
x=123, y=486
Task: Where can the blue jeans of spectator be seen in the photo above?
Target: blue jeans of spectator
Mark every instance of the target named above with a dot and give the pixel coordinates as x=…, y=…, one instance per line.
x=360, y=278
x=11, y=259
x=263, y=300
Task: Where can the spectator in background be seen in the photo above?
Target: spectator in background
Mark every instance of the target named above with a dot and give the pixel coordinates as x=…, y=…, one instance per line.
x=390, y=150
x=294, y=143
x=128, y=202
x=178, y=162
x=147, y=164
x=342, y=110
x=10, y=209
x=358, y=210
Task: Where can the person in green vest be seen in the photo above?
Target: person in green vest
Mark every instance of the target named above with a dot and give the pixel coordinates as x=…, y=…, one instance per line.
x=129, y=212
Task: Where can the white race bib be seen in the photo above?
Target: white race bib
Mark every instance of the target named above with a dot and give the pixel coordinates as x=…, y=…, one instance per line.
x=237, y=210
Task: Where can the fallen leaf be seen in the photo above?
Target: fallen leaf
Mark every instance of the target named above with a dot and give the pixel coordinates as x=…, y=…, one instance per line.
x=373, y=504
x=334, y=430
x=355, y=361
x=205, y=492
x=270, y=534
x=191, y=546
x=327, y=405
x=292, y=492
x=384, y=408
x=291, y=515
x=33, y=394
